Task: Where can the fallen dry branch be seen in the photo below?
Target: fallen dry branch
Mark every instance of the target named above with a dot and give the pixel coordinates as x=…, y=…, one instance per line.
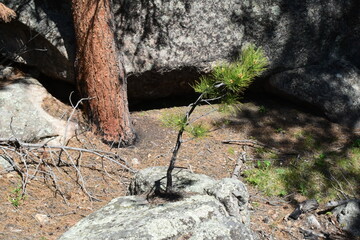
x=255, y=144
x=56, y=166
x=250, y=143
x=113, y=157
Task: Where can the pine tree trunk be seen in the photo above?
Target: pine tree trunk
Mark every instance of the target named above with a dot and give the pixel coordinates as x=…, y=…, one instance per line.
x=100, y=73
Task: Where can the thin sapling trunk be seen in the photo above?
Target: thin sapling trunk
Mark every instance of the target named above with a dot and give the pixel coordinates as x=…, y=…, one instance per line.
x=227, y=82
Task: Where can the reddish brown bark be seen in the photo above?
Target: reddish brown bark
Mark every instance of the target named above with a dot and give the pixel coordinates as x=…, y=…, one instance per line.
x=100, y=74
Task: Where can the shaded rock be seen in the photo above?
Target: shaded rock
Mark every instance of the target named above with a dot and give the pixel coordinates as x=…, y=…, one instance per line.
x=23, y=117
x=167, y=36
x=162, y=35
x=348, y=215
x=155, y=85
x=304, y=207
x=209, y=209
x=333, y=88
x=165, y=45
x=42, y=36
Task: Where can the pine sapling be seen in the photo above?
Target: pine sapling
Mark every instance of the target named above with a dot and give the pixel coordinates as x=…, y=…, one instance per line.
x=227, y=82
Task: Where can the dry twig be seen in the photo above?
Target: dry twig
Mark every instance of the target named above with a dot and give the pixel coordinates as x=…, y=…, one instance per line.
x=32, y=163
x=250, y=143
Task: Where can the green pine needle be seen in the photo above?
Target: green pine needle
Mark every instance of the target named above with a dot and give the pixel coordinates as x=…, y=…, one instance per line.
x=234, y=77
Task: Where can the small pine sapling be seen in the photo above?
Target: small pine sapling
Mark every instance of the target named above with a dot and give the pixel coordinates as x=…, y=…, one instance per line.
x=227, y=82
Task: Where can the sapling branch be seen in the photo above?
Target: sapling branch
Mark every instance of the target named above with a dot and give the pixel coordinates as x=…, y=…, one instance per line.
x=192, y=106
x=226, y=83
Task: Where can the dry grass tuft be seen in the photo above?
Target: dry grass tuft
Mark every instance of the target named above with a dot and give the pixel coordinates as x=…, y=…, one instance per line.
x=6, y=14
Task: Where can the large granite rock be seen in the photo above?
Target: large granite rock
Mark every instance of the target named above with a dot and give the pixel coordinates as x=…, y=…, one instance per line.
x=210, y=209
x=161, y=36
x=41, y=37
x=166, y=44
x=334, y=88
x=22, y=114
x=147, y=179
x=230, y=192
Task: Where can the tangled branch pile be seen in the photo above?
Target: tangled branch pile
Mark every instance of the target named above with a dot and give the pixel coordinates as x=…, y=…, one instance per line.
x=63, y=168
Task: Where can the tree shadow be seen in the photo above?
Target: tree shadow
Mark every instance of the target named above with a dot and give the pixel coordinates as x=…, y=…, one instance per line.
x=297, y=34
x=321, y=157
x=158, y=193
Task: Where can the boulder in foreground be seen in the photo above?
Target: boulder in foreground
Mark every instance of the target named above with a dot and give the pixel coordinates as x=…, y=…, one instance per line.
x=209, y=209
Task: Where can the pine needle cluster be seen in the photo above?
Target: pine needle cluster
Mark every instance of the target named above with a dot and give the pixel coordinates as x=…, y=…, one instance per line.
x=228, y=81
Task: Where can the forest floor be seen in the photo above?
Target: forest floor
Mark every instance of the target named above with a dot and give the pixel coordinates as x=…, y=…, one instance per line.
x=58, y=196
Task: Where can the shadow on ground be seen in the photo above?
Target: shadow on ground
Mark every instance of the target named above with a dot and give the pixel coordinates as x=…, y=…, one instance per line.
x=312, y=155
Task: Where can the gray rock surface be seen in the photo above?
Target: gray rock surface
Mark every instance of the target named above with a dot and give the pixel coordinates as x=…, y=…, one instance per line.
x=211, y=209
x=132, y=217
x=42, y=37
x=163, y=36
x=22, y=115
x=183, y=179
x=348, y=215
x=333, y=88
x=233, y=195
x=166, y=44
x=230, y=192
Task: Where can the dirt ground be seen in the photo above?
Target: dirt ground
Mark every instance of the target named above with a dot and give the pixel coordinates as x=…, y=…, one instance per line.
x=57, y=195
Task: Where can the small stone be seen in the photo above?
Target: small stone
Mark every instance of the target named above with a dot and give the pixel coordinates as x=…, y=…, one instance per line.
x=13, y=228
x=42, y=218
x=135, y=161
x=313, y=222
x=274, y=216
x=6, y=72
x=10, y=175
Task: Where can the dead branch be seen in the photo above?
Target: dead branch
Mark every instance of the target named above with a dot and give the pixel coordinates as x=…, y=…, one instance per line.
x=348, y=183
x=31, y=162
x=113, y=157
x=72, y=113
x=17, y=169
x=254, y=144
x=339, y=188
